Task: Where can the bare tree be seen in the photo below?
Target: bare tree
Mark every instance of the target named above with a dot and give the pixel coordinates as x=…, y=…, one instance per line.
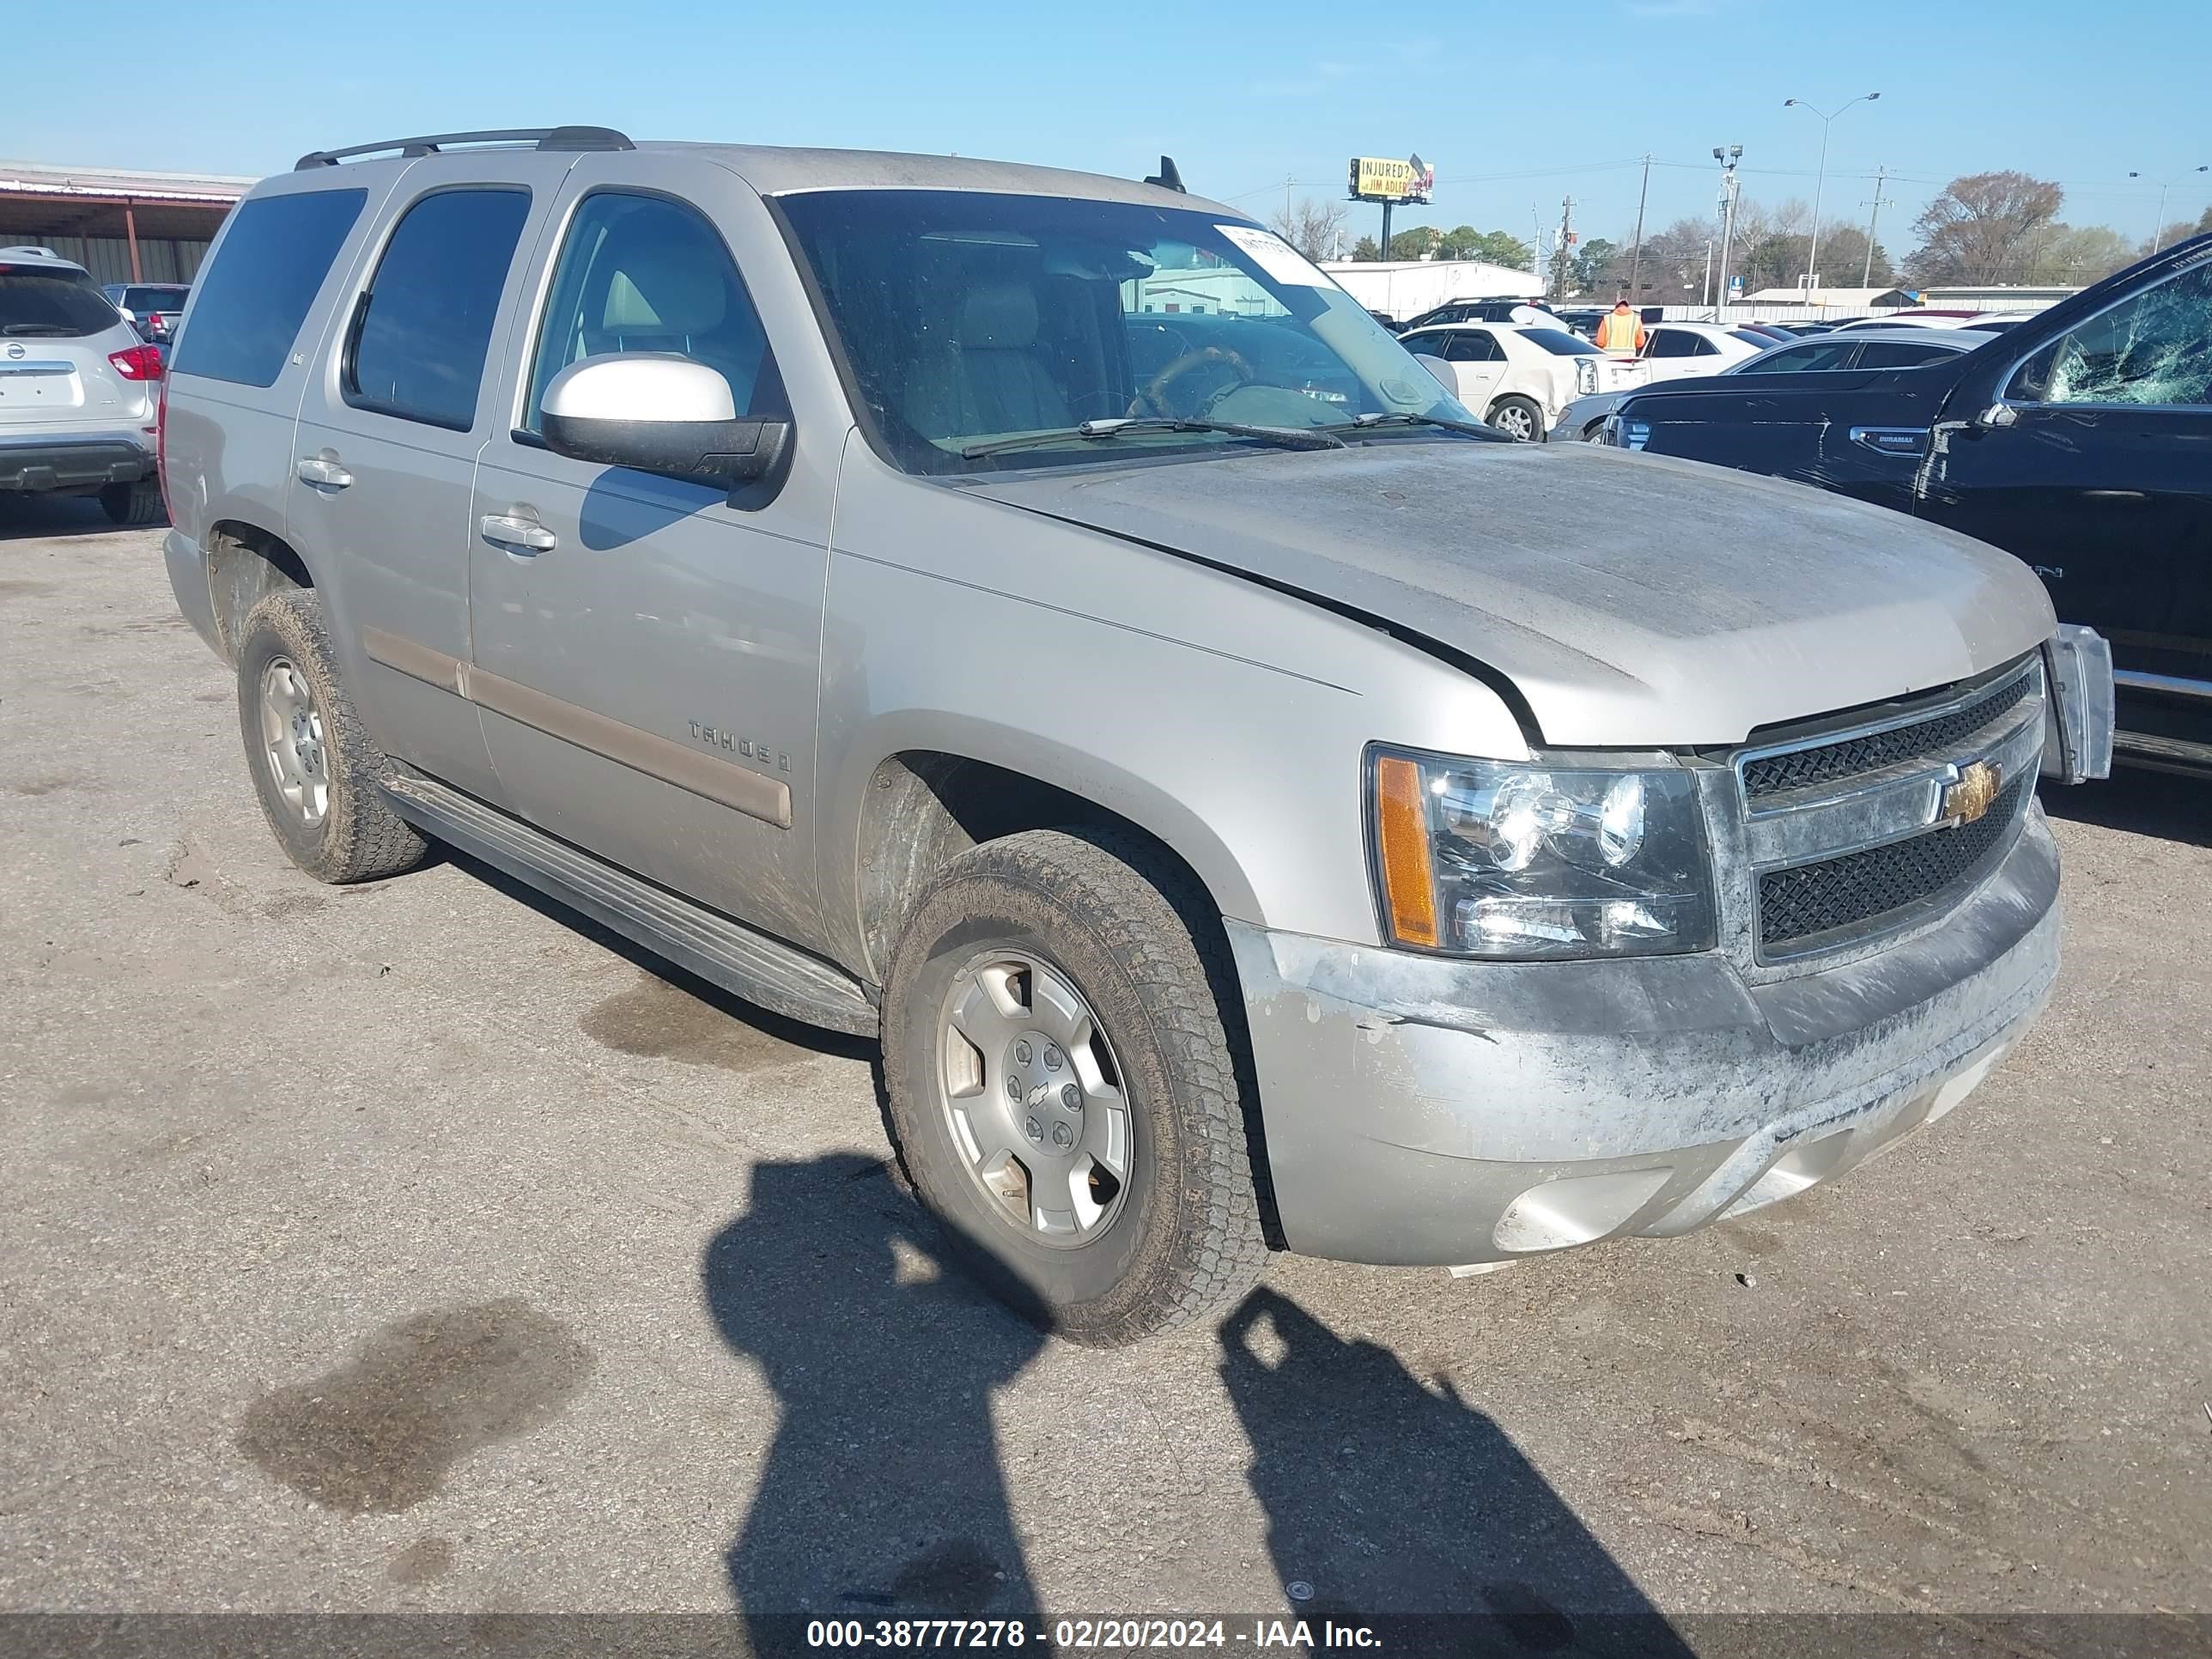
x=1983, y=227
x=1309, y=226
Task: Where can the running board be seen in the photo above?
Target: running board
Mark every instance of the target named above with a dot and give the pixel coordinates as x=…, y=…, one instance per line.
x=779, y=977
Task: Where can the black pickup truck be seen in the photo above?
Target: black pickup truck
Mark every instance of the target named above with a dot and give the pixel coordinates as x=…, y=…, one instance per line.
x=2081, y=442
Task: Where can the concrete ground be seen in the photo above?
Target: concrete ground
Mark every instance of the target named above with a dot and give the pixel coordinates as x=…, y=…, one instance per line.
x=413, y=1246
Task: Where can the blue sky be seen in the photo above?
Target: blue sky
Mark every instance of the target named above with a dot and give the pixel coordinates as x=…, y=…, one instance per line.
x=1516, y=105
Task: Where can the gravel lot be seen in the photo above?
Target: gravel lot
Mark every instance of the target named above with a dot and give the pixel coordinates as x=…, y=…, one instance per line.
x=416, y=1246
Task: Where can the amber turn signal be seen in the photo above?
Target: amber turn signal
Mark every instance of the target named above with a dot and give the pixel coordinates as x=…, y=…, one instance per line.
x=1401, y=832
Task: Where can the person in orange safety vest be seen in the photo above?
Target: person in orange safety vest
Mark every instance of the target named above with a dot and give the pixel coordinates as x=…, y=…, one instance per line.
x=1620, y=331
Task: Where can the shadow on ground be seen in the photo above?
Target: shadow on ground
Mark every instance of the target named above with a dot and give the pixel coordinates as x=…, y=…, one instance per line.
x=25, y=517
x=1390, y=1503
x=2165, y=805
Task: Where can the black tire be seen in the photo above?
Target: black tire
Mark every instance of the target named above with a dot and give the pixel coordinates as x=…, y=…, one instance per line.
x=1134, y=936
x=1594, y=433
x=356, y=836
x=1518, y=409
x=134, y=504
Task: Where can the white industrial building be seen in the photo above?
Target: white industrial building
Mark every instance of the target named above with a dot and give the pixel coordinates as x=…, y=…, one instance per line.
x=1406, y=288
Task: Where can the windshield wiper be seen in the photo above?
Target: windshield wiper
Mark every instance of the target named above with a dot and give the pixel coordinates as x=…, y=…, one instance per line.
x=1469, y=429
x=1283, y=437
x=37, y=328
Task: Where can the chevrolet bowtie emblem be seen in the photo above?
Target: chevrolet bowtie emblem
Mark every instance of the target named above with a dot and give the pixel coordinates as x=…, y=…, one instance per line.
x=1968, y=799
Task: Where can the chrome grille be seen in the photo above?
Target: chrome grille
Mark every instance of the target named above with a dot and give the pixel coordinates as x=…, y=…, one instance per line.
x=1863, y=889
x=1853, y=834
x=1829, y=762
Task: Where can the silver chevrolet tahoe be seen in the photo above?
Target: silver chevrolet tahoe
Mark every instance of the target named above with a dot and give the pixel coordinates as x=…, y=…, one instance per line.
x=1041, y=621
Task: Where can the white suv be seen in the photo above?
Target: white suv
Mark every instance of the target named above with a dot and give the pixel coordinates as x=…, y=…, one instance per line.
x=77, y=390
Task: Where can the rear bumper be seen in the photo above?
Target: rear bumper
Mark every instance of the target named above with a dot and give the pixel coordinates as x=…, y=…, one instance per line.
x=1421, y=1111
x=50, y=461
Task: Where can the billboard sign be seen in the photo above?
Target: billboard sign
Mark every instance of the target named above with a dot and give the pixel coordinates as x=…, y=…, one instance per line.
x=1375, y=179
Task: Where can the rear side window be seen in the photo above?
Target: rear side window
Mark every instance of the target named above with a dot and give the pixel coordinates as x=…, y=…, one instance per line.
x=1672, y=343
x=52, y=304
x=421, y=331
x=253, y=298
x=1899, y=354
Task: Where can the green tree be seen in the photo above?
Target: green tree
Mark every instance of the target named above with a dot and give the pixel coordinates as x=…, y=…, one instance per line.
x=1418, y=243
x=2078, y=255
x=1364, y=248
x=1593, y=270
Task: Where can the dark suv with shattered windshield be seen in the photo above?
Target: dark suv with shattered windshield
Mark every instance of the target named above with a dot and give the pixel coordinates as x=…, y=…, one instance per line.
x=2080, y=441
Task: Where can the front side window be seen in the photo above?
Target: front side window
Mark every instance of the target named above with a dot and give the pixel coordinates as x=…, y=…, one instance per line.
x=423, y=331
x=642, y=273
x=46, y=302
x=2153, y=348
x=964, y=318
x=275, y=254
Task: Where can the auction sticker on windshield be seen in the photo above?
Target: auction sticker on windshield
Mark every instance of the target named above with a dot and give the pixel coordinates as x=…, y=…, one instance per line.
x=1277, y=257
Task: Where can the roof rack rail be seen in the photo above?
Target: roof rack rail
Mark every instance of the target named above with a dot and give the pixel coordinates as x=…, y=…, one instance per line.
x=549, y=138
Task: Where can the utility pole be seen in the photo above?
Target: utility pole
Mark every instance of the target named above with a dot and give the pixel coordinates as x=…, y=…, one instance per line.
x=1561, y=255
x=1636, y=259
x=1873, y=218
x=1705, y=294
x=1727, y=156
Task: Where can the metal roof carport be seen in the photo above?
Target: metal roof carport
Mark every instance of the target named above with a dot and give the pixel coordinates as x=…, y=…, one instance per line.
x=121, y=226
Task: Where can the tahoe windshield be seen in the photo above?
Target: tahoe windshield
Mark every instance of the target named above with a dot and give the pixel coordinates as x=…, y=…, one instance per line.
x=968, y=318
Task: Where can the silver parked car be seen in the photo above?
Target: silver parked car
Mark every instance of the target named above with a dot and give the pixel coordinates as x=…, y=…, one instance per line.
x=1253, y=804
x=152, y=308
x=77, y=390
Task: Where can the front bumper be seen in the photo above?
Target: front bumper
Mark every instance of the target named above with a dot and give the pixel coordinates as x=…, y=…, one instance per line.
x=1424, y=1111
x=50, y=461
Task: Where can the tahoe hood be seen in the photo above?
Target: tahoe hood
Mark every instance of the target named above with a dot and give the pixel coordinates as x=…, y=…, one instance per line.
x=1633, y=600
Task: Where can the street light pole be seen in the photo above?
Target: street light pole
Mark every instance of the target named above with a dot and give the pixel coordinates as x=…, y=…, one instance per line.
x=2158, y=233
x=1820, y=179
x=1727, y=156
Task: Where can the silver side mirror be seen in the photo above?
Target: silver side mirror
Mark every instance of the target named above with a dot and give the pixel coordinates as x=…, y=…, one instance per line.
x=658, y=412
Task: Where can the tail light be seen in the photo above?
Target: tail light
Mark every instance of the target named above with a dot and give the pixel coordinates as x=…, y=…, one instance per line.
x=138, y=363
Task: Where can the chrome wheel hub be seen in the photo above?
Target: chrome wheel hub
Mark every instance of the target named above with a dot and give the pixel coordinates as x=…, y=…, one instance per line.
x=1032, y=1096
x=293, y=742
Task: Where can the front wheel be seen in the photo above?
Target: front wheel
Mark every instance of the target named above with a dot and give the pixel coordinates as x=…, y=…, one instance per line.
x=1061, y=1086
x=1518, y=418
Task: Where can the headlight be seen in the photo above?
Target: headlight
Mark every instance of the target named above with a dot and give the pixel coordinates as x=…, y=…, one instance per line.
x=1522, y=859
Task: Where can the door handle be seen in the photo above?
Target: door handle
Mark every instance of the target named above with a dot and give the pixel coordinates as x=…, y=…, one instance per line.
x=323, y=469
x=517, y=535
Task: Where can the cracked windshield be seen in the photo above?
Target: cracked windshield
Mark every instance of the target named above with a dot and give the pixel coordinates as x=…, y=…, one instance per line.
x=968, y=319
x=2154, y=350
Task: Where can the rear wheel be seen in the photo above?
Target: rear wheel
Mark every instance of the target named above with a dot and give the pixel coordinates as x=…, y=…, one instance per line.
x=134, y=504
x=1517, y=417
x=1061, y=1088
x=313, y=765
